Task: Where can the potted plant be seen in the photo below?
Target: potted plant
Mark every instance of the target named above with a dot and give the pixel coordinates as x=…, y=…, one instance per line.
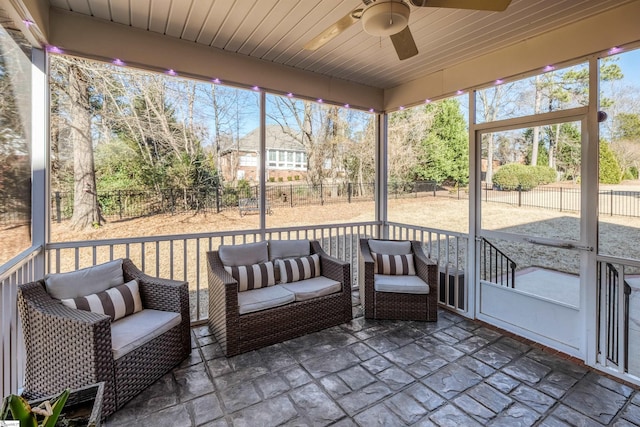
x=79, y=407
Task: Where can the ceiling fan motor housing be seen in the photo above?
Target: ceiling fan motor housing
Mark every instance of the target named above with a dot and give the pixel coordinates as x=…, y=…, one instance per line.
x=385, y=18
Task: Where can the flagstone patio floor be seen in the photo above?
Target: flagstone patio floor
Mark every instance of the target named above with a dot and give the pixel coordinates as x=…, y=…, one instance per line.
x=455, y=372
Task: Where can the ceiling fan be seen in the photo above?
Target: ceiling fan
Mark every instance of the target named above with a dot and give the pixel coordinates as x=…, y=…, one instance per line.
x=391, y=18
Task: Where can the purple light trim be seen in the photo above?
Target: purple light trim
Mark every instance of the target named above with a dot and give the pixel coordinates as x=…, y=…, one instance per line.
x=27, y=23
x=401, y=108
x=427, y=101
x=347, y=106
x=615, y=50
x=54, y=49
x=290, y=95
x=499, y=81
x=320, y=101
x=172, y=72
x=256, y=88
x=549, y=68
x=118, y=62
x=216, y=80
x=459, y=92
x=371, y=110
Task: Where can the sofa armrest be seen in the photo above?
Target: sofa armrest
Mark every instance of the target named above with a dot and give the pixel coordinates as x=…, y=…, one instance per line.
x=426, y=268
x=224, y=316
x=332, y=267
x=365, y=278
x=62, y=343
x=157, y=293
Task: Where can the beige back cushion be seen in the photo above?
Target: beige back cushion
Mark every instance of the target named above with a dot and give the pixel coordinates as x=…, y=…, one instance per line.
x=390, y=247
x=86, y=281
x=280, y=249
x=247, y=254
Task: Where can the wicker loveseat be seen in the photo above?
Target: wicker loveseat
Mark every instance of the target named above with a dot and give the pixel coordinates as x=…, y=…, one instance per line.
x=72, y=347
x=407, y=292
x=244, y=319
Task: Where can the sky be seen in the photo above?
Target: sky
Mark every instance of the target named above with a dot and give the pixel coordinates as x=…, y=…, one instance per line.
x=630, y=64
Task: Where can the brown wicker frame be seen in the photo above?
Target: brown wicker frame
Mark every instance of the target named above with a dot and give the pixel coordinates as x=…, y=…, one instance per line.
x=239, y=333
x=72, y=348
x=398, y=306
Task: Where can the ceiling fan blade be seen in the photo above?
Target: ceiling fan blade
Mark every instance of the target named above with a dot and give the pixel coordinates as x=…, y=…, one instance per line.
x=404, y=44
x=334, y=29
x=493, y=5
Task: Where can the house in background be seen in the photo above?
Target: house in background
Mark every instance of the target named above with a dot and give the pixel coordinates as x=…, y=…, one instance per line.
x=286, y=157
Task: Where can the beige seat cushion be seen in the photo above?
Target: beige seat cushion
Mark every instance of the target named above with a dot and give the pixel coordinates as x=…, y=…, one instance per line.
x=400, y=284
x=313, y=288
x=263, y=298
x=135, y=330
x=90, y=280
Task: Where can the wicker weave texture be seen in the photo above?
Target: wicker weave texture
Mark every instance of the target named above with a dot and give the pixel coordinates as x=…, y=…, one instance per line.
x=241, y=333
x=71, y=348
x=399, y=306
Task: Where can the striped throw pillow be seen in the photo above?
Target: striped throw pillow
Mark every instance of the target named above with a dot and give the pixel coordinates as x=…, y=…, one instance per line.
x=295, y=269
x=116, y=302
x=397, y=265
x=252, y=276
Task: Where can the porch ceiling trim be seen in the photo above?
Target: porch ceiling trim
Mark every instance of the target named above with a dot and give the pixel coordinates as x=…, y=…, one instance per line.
x=94, y=38
x=589, y=36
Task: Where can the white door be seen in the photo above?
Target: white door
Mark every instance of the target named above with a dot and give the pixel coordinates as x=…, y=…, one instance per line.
x=531, y=241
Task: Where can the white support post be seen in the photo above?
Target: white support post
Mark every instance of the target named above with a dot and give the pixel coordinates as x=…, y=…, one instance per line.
x=589, y=218
x=262, y=165
x=475, y=194
x=39, y=155
x=381, y=187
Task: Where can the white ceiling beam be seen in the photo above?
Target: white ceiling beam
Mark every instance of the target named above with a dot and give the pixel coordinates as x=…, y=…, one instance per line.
x=599, y=33
x=100, y=39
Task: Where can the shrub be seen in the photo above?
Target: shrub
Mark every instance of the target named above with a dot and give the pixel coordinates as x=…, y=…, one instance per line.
x=545, y=174
x=527, y=180
x=515, y=176
x=506, y=177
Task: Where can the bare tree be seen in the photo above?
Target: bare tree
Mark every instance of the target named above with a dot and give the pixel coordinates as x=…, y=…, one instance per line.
x=494, y=103
x=86, y=210
x=317, y=127
x=627, y=153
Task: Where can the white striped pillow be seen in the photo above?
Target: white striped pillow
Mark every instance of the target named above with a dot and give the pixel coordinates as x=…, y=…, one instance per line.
x=295, y=269
x=398, y=265
x=116, y=302
x=252, y=276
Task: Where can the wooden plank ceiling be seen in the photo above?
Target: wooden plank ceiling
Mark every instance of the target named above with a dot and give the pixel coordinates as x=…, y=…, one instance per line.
x=276, y=30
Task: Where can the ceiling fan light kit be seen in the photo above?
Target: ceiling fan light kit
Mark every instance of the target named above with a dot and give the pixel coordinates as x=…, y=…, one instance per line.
x=385, y=18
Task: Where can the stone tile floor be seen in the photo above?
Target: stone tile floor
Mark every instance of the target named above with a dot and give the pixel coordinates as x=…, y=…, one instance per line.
x=383, y=373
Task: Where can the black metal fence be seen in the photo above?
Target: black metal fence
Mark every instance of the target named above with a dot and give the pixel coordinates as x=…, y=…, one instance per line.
x=130, y=204
x=136, y=203
x=14, y=210
x=610, y=202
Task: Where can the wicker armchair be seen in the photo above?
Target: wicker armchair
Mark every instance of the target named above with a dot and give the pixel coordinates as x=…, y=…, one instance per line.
x=72, y=348
x=395, y=305
x=238, y=333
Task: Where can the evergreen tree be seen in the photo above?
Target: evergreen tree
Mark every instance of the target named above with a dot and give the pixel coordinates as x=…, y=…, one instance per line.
x=609, y=167
x=445, y=147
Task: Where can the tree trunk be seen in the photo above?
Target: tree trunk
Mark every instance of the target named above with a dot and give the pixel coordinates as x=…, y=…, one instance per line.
x=489, y=174
x=536, y=129
x=86, y=211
